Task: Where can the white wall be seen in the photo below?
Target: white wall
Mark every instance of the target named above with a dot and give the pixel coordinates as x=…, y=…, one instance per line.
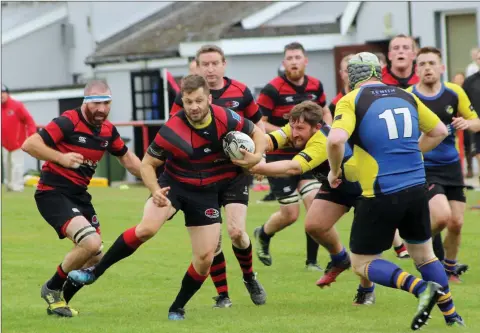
x=36, y=60
x=106, y=18
x=110, y=17
x=371, y=20
x=423, y=17
x=310, y=13
x=257, y=70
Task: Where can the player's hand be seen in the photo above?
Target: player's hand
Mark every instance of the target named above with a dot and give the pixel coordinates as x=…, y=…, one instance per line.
x=71, y=160
x=160, y=197
x=460, y=124
x=249, y=159
x=334, y=178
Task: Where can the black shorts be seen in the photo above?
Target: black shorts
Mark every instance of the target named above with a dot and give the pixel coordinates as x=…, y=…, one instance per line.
x=235, y=191
x=453, y=193
x=447, y=175
x=57, y=208
x=477, y=143
x=376, y=220
x=201, y=207
x=283, y=187
x=446, y=179
x=336, y=196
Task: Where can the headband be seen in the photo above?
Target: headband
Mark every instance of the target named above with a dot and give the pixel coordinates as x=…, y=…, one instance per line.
x=97, y=98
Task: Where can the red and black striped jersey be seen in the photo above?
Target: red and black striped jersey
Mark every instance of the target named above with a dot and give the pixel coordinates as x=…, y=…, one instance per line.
x=279, y=97
x=194, y=156
x=234, y=95
x=333, y=103
x=72, y=133
x=392, y=80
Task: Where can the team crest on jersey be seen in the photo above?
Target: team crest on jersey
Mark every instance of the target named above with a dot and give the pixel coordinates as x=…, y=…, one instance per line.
x=104, y=144
x=235, y=115
x=95, y=222
x=232, y=104
x=449, y=109
x=10, y=112
x=312, y=97
x=212, y=213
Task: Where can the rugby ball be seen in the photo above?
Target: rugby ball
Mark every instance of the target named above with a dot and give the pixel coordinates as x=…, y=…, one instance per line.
x=234, y=141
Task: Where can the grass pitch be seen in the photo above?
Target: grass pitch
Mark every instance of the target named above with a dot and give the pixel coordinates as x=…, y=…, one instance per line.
x=134, y=295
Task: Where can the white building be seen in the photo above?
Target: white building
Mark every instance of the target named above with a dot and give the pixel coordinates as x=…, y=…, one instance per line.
x=129, y=44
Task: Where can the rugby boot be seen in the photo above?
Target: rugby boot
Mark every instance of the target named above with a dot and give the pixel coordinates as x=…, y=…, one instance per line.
x=332, y=271
x=256, y=290
x=364, y=298
x=262, y=248
x=456, y=321
x=178, y=314
x=56, y=303
x=222, y=301
x=82, y=276
x=426, y=301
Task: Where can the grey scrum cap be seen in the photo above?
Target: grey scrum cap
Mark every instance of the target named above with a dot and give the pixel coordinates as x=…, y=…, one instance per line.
x=362, y=67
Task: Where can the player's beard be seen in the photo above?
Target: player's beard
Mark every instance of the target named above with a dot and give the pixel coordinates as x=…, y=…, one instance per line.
x=295, y=75
x=95, y=118
x=198, y=118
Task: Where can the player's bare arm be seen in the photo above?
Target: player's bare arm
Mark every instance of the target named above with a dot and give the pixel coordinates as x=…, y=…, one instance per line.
x=461, y=124
x=285, y=168
x=269, y=127
x=131, y=162
x=36, y=147
x=429, y=140
x=249, y=159
x=336, y=148
x=261, y=124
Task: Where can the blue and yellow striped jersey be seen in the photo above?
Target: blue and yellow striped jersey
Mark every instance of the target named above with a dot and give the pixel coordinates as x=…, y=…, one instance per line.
x=384, y=124
x=451, y=101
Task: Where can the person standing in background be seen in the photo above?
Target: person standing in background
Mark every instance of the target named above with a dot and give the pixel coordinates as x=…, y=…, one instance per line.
x=473, y=67
x=17, y=125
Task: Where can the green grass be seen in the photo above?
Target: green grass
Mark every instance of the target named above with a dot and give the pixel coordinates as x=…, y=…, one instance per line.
x=135, y=294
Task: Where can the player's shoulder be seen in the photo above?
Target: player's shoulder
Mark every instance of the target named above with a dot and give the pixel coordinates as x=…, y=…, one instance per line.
x=237, y=84
x=73, y=115
x=277, y=82
x=313, y=80
x=455, y=88
x=320, y=137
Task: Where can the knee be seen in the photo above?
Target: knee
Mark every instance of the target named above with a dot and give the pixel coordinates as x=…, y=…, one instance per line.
x=289, y=216
x=203, y=261
x=313, y=226
x=455, y=225
x=144, y=231
x=358, y=268
x=443, y=220
x=91, y=242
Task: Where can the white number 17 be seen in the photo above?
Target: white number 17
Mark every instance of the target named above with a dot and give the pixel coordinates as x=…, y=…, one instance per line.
x=392, y=127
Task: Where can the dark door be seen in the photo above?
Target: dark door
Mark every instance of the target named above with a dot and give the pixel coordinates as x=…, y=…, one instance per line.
x=341, y=51
x=69, y=104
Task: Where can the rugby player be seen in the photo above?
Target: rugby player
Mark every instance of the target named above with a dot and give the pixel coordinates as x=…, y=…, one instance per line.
x=72, y=145
x=442, y=165
x=198, y=179
x=383, y=124
x=234, y=95
x=276, y=99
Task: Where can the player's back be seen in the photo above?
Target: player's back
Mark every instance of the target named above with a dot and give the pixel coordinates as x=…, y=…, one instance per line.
x=385, y=139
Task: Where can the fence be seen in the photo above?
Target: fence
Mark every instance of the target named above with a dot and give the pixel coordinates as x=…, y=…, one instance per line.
x=145, y=139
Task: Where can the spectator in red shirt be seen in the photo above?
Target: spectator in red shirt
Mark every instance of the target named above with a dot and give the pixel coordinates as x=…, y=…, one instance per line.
x=401, y=53
x=17, y=125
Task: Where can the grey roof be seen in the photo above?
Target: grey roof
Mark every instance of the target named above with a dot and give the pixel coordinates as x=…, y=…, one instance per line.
x=159, y=35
